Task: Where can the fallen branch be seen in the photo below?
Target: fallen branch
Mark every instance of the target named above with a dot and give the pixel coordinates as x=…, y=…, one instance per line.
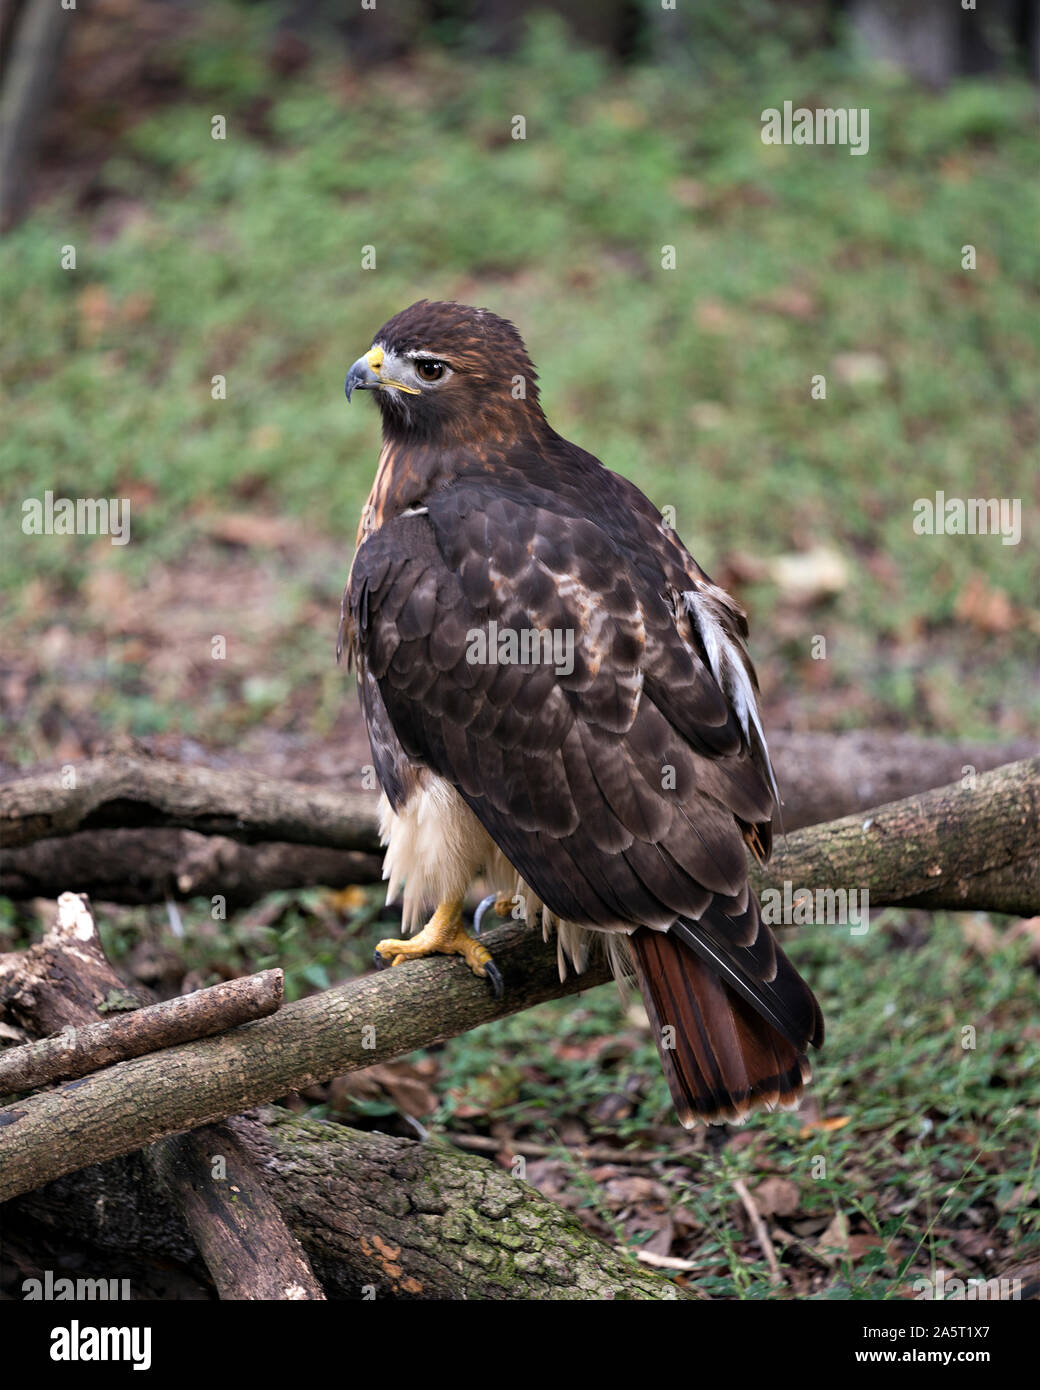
x=583, y=1153
x=895, y=851
x=822, y=777
x=65, y=980
x=78, y=1051
x=760, y=1230
x=40, y=33
x=306, y=1042
x=131, y=790
x=974, y=846
x=151, y=865
x=248, y=1206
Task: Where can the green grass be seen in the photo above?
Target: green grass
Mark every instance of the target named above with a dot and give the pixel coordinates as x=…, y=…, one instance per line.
x=937, y=1135
x=243, y=258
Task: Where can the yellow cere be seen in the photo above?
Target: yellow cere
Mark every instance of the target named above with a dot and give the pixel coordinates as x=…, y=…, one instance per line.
x=374, y=358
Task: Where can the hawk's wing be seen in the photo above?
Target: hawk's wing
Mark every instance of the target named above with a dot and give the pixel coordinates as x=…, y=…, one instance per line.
x=622, y=789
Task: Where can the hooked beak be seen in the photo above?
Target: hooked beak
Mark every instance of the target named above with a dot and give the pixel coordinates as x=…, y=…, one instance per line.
x=364, y=374
x=367, y=375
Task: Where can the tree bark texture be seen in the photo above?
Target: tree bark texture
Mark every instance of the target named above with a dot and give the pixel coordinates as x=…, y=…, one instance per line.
x=78, y=1051
x=379, y=1217
x=236, y=1223
x=928, y=845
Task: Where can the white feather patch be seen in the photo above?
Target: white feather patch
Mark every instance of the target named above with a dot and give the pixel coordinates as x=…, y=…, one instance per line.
x=728, y=663
x=436, y=847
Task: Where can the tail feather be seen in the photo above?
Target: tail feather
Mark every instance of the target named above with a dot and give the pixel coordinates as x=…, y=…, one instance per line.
x=722, y=1059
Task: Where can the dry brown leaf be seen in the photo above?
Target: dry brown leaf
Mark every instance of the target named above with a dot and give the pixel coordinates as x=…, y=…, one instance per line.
x=635, y=1189
x=859, y=1245
x=791, y=302
x=347, y=900
x=979, y=934
x=777, y=1197
x=1028, y=927
x=984, y=606
x=95, y=311
x=713, y=316
x=402, y=1082
x=809, y=575
x=254, y=530
x=835, y=1239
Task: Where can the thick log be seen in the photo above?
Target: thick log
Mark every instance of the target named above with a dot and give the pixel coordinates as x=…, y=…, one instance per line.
x=377, y=1216
x=822, y=777
x=127, y=789
x=246, y=1204
x=895, y=852
x=78, y=1051
x=40, y=33
x=65, y=980
x=152, y=865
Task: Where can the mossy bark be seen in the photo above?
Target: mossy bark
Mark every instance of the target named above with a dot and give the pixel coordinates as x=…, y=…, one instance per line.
x=378, y=1217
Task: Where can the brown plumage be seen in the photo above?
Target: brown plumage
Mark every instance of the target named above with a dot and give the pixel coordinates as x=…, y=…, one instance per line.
x=621, y=786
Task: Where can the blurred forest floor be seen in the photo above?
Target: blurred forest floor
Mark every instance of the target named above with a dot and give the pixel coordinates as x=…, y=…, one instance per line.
x=242, y=258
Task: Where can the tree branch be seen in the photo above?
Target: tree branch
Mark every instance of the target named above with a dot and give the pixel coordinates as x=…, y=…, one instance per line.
x=288, y=834
x=29, y=86
x=151, y=865
x=929, y=844
x=78, y=1051
x=236, y=1223
x=974, y=846
x=372, y=1019
x=131, y=790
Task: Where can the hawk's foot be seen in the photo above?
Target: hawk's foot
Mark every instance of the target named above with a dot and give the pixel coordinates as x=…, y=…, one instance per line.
x=444, y=934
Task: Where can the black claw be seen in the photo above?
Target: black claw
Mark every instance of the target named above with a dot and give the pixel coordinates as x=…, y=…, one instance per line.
x=478, y=916
x=494, y=975
x=380, y=962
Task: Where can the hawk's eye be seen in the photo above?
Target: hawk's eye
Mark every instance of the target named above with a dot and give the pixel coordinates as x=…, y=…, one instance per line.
x=429, y=371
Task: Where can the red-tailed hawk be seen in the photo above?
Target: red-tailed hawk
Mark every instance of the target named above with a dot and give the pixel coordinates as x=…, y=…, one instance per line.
x=559, y=701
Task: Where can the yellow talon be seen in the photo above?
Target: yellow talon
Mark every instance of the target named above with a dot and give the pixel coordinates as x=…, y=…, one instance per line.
x=444, y=934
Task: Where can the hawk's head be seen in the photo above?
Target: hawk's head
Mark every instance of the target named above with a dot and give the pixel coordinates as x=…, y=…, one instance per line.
x=449, y=371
